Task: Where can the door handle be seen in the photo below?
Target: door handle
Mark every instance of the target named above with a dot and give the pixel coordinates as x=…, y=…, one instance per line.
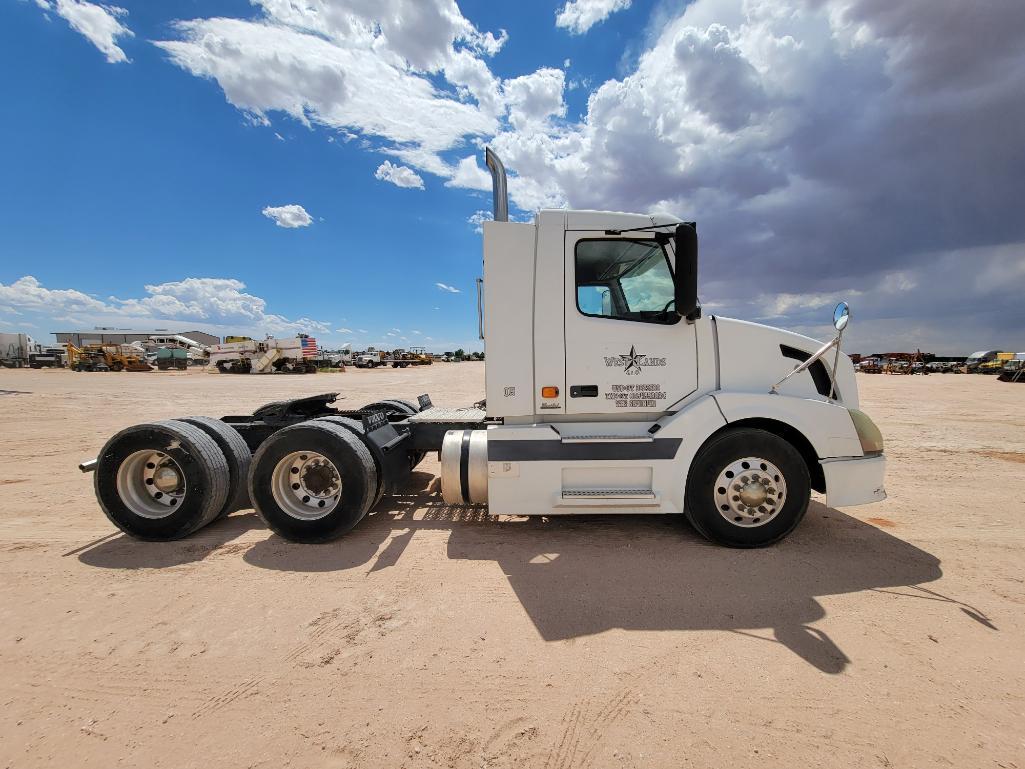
x=583, y=391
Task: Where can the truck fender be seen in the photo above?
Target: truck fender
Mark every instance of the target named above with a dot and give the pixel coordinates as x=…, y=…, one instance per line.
x=826, y=426
x=693, y=424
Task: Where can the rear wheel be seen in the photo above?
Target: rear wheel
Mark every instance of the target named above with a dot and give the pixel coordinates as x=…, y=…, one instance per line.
x=162, y=480
x=238, y=456
x=396, y=406
x=747, y=488
x=356, y=428
x=313, y=481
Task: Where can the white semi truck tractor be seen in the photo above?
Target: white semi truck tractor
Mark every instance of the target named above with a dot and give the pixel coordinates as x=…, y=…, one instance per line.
x=608, y=391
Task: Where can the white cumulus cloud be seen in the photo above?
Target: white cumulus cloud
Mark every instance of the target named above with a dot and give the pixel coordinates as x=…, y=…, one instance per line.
x=534, y=98
x=578, y=16
x=216, y=303
x=400, y=176
x=446, y=287
x=470, y=175
x=290, y=216
x=477, y=219
x=97, y=22
x=360, y=68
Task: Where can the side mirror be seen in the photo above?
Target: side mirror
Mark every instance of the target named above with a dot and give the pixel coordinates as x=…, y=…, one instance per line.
x=686, y=242
x=841, y=314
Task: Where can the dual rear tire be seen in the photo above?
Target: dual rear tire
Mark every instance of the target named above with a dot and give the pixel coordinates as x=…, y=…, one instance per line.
x=162, y=480
x=310, y=482
x=313, y=482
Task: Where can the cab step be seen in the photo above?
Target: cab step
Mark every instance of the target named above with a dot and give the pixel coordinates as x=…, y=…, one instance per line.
x=607, y=498
x=608, y=439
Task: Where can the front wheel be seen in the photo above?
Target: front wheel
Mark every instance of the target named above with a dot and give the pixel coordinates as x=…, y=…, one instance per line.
x=747, y=488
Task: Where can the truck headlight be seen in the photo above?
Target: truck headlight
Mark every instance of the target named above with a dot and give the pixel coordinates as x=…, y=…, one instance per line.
x=869, y=435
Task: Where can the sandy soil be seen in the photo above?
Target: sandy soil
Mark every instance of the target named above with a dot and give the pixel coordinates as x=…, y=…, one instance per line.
x=888, y=635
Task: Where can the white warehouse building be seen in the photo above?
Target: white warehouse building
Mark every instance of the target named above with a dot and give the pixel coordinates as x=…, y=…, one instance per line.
x=127, y=336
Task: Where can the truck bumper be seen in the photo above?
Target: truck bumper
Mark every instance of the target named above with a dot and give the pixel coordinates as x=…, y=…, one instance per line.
x=854, y=480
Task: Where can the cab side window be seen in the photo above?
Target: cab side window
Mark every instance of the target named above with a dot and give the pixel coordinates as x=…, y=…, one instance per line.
x=625, y=279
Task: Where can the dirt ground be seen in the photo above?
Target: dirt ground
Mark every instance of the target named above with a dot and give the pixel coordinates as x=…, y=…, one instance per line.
x=887, y=635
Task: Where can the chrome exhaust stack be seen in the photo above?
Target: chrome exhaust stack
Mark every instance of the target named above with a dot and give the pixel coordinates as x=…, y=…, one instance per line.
x=499, y=185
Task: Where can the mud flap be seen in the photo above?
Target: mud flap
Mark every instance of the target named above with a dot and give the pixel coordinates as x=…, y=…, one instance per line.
x=389, y=445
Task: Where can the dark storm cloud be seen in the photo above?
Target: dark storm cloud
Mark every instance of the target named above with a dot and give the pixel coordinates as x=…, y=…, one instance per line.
x=830, y=149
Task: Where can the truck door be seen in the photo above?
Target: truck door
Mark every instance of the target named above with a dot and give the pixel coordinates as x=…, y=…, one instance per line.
x=627, y=351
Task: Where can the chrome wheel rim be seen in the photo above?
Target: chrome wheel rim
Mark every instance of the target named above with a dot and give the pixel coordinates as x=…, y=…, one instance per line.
x=750, y=492
x=151, y=484
x=306, y=485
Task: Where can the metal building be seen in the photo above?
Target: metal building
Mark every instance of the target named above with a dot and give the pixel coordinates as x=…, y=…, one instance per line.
x=126, y=336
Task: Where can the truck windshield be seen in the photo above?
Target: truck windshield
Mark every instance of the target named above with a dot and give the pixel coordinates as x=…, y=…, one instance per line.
x=625, y=279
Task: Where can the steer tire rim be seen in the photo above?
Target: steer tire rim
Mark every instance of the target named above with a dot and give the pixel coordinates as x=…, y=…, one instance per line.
x=306, y=485
x=151, y=484
x=750, y=492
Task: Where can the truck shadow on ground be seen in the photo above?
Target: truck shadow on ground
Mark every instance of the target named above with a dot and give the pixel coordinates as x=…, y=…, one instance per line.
x=581, y=575
x=124, y=552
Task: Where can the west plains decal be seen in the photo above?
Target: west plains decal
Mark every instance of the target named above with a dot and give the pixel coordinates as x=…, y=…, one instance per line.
x=633, y=361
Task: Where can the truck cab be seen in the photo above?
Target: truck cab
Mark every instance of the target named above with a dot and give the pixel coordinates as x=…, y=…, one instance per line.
x=608, y=396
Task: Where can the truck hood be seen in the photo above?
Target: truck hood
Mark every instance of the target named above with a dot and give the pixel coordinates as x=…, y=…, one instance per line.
x=753, y=357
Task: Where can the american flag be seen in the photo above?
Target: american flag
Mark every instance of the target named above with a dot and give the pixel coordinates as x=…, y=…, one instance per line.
x=309, y=347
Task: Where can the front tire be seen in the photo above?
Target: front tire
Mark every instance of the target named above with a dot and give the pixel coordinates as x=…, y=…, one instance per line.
x=747, y=488
x=312, y=482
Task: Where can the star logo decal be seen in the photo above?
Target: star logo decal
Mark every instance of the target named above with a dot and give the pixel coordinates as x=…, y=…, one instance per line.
x=633, y=359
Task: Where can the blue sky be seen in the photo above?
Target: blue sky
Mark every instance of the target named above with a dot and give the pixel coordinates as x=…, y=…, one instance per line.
x=806, y=144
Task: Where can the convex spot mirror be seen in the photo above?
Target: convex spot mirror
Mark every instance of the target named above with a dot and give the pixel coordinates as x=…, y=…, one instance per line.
x=686, y=244
x=841, y=314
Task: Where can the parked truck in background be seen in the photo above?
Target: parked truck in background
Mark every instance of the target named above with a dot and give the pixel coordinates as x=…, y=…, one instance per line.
x=48, y=357
x=369, y=358
x=608, y=389
x=1014, y=369
x=15, y=349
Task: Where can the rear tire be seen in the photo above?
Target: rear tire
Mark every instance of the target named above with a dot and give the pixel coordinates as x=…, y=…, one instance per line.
x=747, y=488
x=356, y=428
x=177, y=457
x=239, y=458
x=407, y=407
x=329, y=465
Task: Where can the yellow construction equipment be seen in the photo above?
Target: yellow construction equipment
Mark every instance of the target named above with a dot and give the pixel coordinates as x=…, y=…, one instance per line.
x=103, y=357
x=420, y=356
